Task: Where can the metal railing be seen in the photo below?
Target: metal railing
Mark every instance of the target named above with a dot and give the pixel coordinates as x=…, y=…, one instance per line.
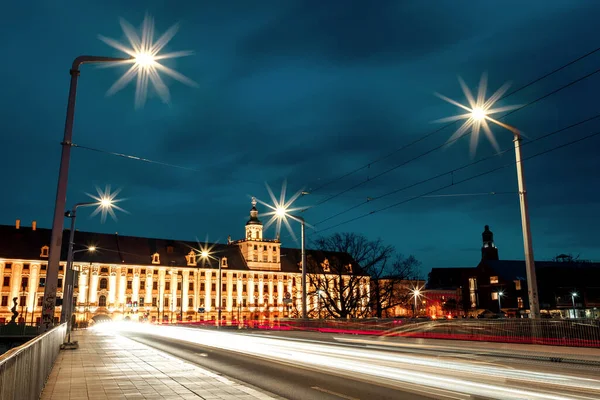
x=24, y=369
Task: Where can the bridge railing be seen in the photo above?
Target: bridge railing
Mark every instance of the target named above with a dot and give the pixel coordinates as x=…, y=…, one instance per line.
x=24, y=369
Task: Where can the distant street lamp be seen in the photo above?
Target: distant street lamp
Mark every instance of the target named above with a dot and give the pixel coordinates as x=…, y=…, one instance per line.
x=206, y=255
x=416, y=295
x=144, y=57
x=500, y=294
x=477, y=116
x=573, y=295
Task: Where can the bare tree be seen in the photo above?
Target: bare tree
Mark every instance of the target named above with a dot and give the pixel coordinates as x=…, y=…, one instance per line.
x=389, y=287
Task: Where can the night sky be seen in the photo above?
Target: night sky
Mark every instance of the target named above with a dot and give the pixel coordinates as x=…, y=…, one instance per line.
x=308, y=91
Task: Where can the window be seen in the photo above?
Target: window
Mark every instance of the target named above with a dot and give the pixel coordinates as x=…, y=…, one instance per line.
x=266, y=288
x=167, y=285
x=141, y=302
x=224, y=261
x=103, y=283
x=519, y=302
x=154, y=285
x=4, y=301
x=166, y=302
x=255, y=247
x=42, y=282
x=130, y=271
x=155, y=258
x=493, y=279
x=214, y=274
x=44, y=252
x=143, y=272
x=244, y=287
x=6, y=281
x=255, y=257
x=234, y=302
x=234, y=287
x=22, y=300
x=154, y=301
x=104, y=270
x=191, y=274
x=7, y=265
x=26, y=266
x=265, y=257
x=191, y=258
x=223, y=303
x=40, y=301
x=129, y=285
x=61, y=267
x=202, y=273
x=494, y=295
x=102, y=301
x=44, y=267
x=191, y=302
x=202, y=286
x=213, y=287
x=224, y=287
x=244, y=302
x=178, y=285
x=179, y=302
x=142, y=285
x=24, y=282
x=235, y=276
x=518, y=285
x=191, y=286
x=60, y=283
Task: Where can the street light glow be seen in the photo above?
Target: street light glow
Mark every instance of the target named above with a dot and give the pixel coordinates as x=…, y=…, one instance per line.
x=145, y=54
x=478, y=113
x=204, y=254
x=281, y=209
x=574, y=294
x=417, y=292
x=500, y=293
x=92, y=249
x=106, y=203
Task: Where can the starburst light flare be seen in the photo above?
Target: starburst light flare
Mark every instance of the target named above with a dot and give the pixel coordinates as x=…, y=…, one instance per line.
x=205, y=252
x=106, y=203
x=145, y=56
x=281, y=209
x=478, y=113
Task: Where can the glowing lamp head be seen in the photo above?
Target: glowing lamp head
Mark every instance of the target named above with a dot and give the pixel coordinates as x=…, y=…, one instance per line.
x=144, y=59
x=204, y=254
x=92, y=249
x=574, y=294
x=280, y=212
x=105, y=202
x=501, y=293
x=478, y=114
x=417, y=292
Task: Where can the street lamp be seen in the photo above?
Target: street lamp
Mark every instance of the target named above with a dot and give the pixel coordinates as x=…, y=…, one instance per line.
x=477, y=118
x=144, y=57
x=206, y=255
x=416, y=295
x=573, y=295
x=500, y=294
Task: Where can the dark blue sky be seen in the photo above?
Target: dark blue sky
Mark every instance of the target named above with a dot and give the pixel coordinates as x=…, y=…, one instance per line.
x=308, y=90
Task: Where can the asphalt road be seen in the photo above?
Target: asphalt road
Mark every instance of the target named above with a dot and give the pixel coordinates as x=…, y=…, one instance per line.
x=321, y=366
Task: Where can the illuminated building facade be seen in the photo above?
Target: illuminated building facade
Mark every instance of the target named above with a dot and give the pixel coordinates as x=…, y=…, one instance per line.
x=156, y=279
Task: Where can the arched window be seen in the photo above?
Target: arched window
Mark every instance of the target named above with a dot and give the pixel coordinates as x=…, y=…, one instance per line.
x=103, y=283
x=102, y=301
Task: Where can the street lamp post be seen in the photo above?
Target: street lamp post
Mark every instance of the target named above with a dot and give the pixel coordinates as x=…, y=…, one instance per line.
x=573, y=295
x=477, y=117
x=416, y=294
x=500, y=294
x=49, y=302
x=206, y=256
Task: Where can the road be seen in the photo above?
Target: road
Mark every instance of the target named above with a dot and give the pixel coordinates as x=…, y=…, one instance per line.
x=314, y=366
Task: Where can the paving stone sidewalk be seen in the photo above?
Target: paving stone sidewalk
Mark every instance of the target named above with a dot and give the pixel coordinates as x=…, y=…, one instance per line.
x=107, y=366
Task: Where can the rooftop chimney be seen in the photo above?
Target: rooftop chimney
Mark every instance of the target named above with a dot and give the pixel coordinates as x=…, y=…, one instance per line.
x=33, y=225
x=18, y=224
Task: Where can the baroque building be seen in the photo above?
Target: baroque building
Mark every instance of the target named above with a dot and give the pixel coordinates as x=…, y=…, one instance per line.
x=138, y=278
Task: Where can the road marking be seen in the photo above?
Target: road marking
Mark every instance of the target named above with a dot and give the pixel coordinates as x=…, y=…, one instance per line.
x=343, y=396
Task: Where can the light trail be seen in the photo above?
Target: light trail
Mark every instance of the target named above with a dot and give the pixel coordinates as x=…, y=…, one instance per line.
x=457, y=376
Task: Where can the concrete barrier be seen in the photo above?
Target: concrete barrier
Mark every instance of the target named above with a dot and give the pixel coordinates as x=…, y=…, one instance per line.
x=24, y=369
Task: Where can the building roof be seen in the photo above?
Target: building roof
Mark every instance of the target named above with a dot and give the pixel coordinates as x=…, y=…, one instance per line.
x=26, y=243
x=510, y=270
x=447, y=278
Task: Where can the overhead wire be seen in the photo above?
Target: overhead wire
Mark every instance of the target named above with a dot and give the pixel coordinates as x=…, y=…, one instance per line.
x=369, y=179
x=371, y=199
x=459, y=182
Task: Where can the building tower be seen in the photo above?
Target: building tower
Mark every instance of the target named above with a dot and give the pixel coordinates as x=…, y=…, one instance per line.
x=254, y=228
x=489, y=251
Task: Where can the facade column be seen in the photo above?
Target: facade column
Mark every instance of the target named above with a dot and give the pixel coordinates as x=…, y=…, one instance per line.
x=208, y=291
x=148, y=296
x=15, y=284
x=113, y=279
x=82, y=294
x=94, y=285
x=184, y=292
x=161, y=291
x=122, y=287
x=32, y=287
x=135, y=288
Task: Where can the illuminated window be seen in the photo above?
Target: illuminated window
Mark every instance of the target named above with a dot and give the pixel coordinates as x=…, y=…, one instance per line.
x=265, y=257
x=129, y=284
x=102, y=301
x=325, y=266
x=494, y=295
x=155, y=258
x=44, y=252
x=104, y=283
x=224, y=262
x=191, y=258
x=167, y=285
x=519, y=302
x=493, y=279
x=518, y=285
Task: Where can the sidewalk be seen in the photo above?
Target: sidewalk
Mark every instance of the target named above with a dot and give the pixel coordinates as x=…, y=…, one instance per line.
x=108, y=366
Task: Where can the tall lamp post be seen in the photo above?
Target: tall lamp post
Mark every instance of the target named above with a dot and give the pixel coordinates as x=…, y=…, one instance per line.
x=205, y=254
x=477, y=118
x=67, y=308
x=573, y=295
x=416, y=295
x=500, y=294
